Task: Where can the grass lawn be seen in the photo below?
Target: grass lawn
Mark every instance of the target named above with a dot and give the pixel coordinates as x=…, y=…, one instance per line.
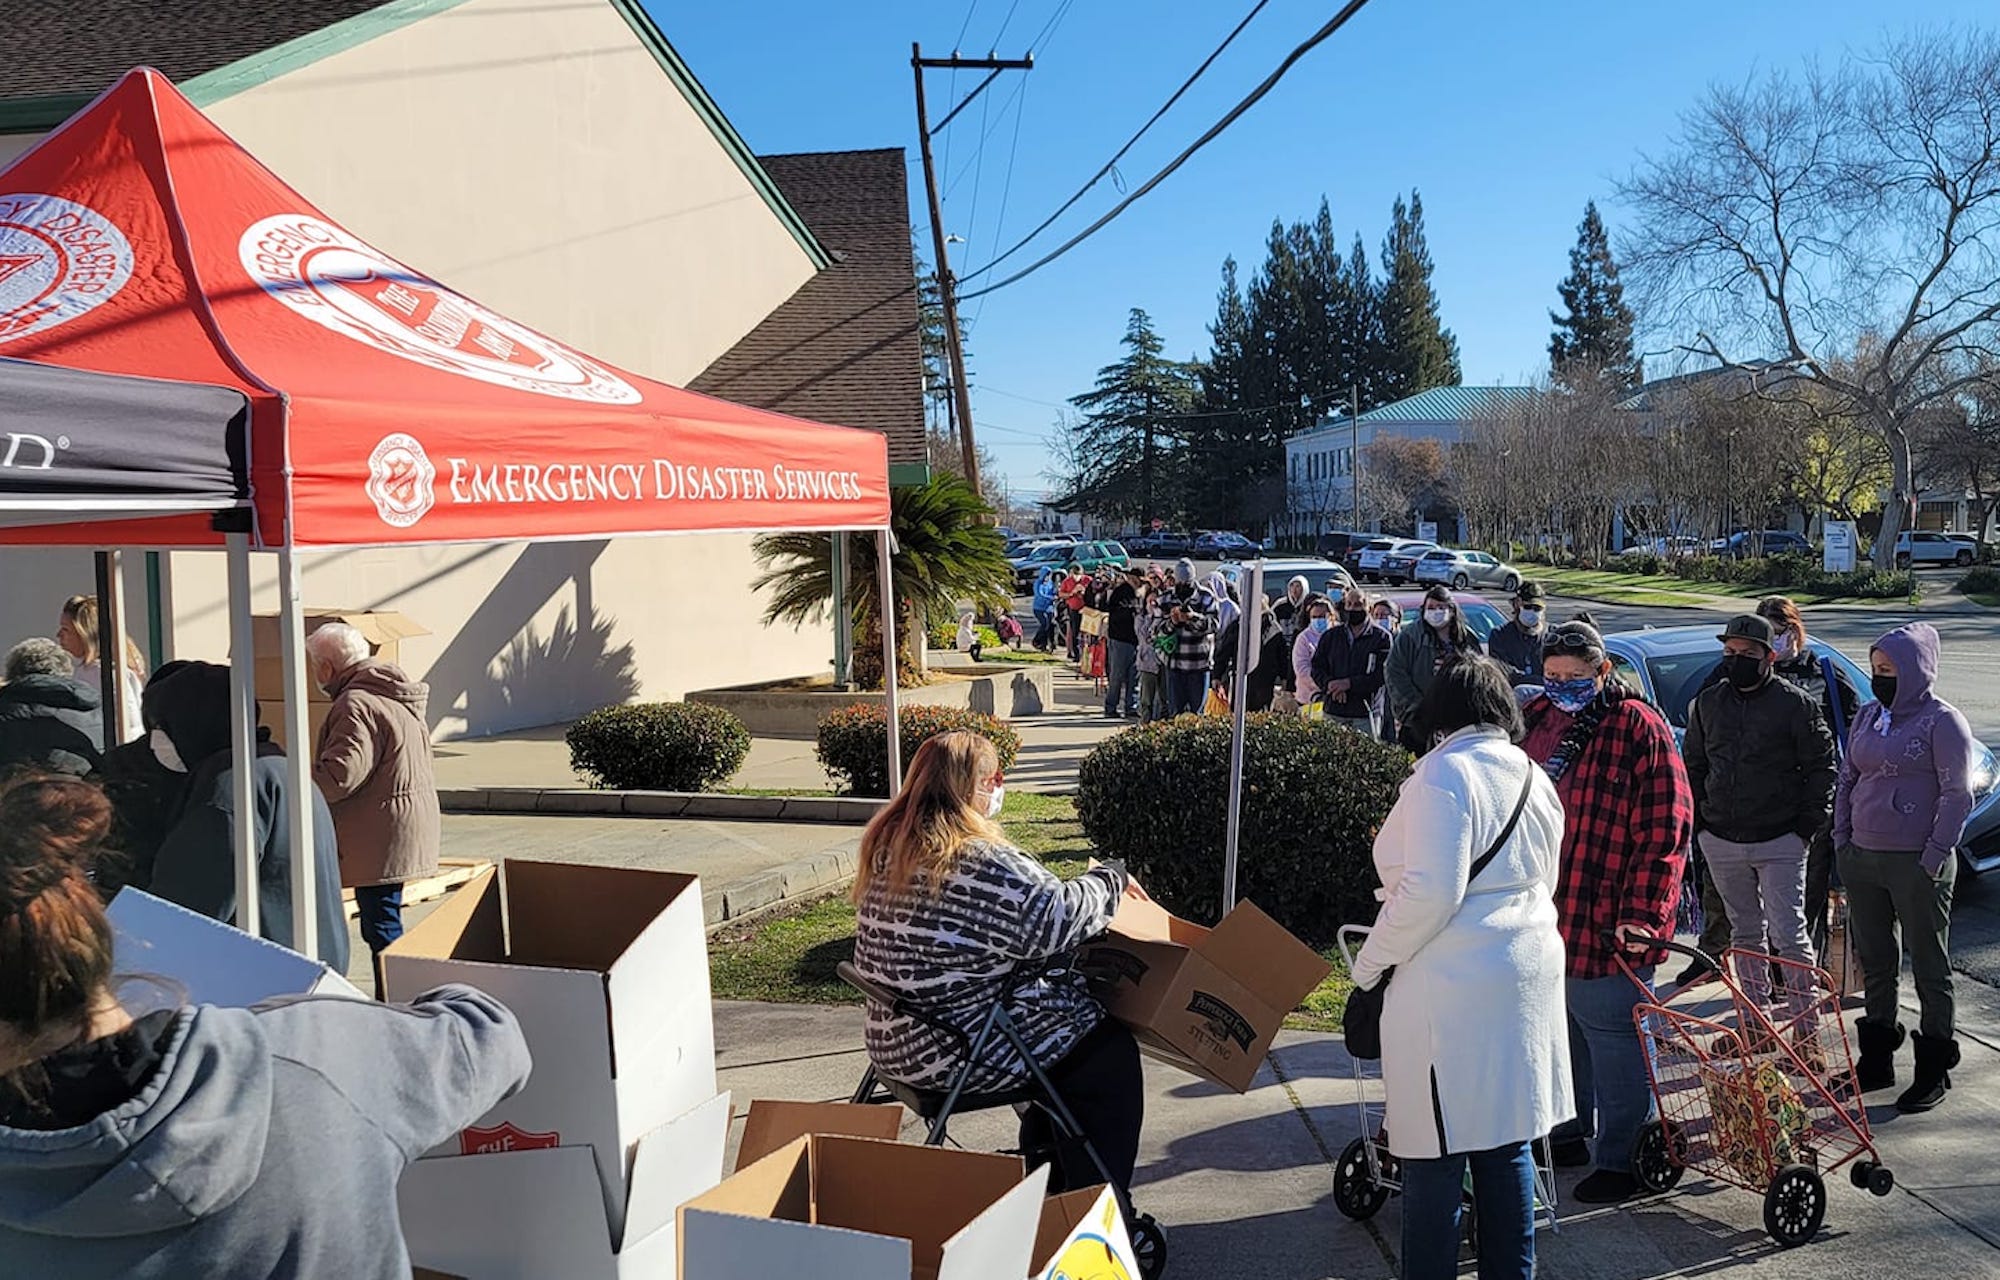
x=1618, y=588
x=790, y=955
x=1984, y=599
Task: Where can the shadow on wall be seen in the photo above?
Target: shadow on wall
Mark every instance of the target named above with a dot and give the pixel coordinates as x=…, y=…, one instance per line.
x=498, y=672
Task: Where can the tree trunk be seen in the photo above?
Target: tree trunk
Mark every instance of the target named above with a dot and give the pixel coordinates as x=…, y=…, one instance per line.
x=1902, y=493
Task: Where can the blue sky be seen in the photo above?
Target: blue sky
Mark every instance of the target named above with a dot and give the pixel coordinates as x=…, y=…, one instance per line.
x=1507, y=116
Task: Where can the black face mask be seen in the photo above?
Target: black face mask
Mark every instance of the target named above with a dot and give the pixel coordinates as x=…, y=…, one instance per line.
x=1744, y=671
x=1356, y=617
x=1884, y=689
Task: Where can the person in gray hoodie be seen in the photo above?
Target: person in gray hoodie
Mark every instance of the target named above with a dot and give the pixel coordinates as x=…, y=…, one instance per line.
x=1904, y=793
x=229, y=1144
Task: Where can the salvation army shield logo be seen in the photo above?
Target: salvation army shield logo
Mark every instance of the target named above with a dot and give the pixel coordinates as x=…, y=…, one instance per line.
x=58, y=260
x=505, y=1136
x=343, y=284
x=401, y=480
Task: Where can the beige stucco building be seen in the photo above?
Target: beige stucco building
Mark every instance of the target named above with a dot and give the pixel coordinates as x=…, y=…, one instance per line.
x=555, y=160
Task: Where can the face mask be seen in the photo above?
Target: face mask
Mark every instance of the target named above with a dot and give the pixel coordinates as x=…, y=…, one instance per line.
x=1321, y=624
x=1781, y=647
x=165, y=752
x=1387, y=624
x=1356, y=617
x=1744, y=671
x=1884, y=689
x=996, y=801
x=1437, y=617
x=1570, y=695
x=1531, y=618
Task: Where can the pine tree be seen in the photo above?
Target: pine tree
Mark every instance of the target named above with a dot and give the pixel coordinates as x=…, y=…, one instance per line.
x=1596, y=335
x=1418, y=351
x=1124, y=438
x=1360, y=326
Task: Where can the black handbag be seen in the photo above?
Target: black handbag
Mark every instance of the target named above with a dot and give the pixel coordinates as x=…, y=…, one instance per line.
x=1361, y=1023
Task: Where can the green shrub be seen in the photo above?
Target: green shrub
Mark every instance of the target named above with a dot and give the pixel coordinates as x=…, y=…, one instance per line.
x=1638, y=562
x=945, y=636
x=658, y=746
x=1314, y=795
x=854, y=741
x=1985, y=580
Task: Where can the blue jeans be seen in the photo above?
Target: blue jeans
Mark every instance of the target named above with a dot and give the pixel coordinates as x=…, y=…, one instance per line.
x=1608, y=1068
x=1503, y=1186
x=1121, y=674
x=380, y=907
x=1185, y=691
x=1045, y=630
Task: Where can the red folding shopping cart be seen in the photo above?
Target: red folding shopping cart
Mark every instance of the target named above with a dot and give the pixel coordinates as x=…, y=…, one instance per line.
x=1755, y=1084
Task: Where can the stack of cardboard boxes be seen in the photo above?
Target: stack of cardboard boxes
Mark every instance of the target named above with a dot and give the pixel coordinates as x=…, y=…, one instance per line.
x=385, y=630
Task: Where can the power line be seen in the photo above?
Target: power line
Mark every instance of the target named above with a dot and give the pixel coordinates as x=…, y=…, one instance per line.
x=1048, y=31
x=1339, y=20
x=1112, y=163
x=1006, y=188
x=998, y=35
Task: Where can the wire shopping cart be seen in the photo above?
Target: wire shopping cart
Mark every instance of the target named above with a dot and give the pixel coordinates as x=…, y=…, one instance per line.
x=1367, y=1174
x=1756, y=1088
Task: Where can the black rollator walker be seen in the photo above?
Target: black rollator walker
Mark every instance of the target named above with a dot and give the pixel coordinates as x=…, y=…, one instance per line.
x=1149, y=1241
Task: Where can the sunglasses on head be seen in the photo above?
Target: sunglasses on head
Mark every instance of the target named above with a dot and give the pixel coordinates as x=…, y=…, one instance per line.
x=1569, y=640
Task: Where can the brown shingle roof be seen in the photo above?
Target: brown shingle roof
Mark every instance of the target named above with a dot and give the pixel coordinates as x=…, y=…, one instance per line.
x=844, y=348
x=50, y=47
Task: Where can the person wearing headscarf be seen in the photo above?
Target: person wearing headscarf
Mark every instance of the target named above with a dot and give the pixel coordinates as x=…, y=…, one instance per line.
x=1226, y=608
x=195, y=865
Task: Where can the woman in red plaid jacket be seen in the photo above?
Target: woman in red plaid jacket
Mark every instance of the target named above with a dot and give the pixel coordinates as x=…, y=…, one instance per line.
x=1627, y=818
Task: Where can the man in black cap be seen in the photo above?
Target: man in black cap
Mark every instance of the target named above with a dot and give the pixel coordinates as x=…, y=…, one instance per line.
x=1760, y=761
x=1517, y=646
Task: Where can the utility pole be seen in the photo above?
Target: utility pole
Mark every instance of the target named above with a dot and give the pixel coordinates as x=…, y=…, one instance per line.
x=961, y=395
x=1354, y=451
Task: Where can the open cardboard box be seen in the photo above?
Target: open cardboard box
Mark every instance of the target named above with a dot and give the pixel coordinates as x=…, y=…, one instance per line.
x=207, y=961
x=839, y=1208
x=385, y=629
x=607, y=970
x=772, y=1124
x=1083, y=1237
x=1206, y=1000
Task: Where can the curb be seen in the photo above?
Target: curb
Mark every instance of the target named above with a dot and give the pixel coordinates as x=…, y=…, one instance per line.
x=659, y=804
x=774, y=888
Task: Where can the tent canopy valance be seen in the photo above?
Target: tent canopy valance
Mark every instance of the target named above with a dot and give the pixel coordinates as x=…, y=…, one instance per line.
x=383, y=407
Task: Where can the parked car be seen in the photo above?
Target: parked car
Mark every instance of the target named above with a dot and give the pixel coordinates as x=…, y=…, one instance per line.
x=1367, y=565
x=1223, y=545
x=1400, y=565
x=1461, y=569
x=1676, y=545
x=1091, y=555
x=1669, y=664
x=1277, y=572
x=1340, y=544
x=1921, y=546
x=1480, y=614
x=1776, y=542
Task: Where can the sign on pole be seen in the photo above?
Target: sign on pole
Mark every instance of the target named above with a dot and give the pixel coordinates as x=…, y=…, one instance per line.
x=1427, y=531
x=1840, y=546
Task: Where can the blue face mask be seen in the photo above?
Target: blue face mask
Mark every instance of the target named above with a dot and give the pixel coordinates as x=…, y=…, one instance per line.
x=1321, y=624
x=1570, y=695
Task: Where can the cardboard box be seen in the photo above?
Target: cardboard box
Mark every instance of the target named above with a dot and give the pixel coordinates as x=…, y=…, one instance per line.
x=607, y=970
x=271, y=715
x=836, y=1208
x=1206, y=1000
x=1083, y=1237
x=385, y=629
x=207, y=961
x=538, y=1212
x=771, y=1125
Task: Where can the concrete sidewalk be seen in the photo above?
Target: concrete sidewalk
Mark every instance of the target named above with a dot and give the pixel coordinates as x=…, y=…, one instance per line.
x=1243, y=1184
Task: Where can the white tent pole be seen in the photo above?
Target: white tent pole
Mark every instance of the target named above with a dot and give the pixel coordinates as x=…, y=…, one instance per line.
x=242, y=731
x=1249, y=646
x=885, y=545
x=298, y=756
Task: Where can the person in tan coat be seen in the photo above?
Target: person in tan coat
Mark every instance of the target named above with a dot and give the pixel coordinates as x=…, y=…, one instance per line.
x=373, y=763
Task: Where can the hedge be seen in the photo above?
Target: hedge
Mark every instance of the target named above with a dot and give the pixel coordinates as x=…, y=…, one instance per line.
x=1984, y=580
x=1314, y=795
x=853, y=744
x=658, y=746
x=1791, y=572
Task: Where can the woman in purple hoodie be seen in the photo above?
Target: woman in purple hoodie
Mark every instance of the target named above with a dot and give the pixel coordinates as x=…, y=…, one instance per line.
x=1904, y=794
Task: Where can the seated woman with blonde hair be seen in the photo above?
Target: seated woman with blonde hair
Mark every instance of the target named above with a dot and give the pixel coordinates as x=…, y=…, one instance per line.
x=954, y=918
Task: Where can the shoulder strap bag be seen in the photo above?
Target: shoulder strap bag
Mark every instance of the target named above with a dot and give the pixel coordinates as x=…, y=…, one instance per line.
x=1361, y=1024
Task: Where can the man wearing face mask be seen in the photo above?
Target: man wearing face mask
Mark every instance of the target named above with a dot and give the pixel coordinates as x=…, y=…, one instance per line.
x=1518, y=645
x=1760, y=763
x=196, y=864
x=145, y=797
x=1350, y=665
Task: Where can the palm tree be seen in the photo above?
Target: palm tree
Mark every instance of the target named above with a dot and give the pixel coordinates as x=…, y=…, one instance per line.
x=946, y=551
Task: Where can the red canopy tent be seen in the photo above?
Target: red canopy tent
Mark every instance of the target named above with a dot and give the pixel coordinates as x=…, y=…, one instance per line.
x=384, y=408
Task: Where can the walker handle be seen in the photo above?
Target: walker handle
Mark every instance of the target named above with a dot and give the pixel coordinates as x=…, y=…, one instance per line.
x=1618, y=953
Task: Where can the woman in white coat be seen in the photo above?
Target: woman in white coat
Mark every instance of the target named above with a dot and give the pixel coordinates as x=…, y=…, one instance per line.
x=1475, y=1043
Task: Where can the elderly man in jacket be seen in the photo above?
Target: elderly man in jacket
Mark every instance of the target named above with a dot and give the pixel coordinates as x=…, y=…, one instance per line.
x=48, y=720
x=1760, y=762
x=373, y=763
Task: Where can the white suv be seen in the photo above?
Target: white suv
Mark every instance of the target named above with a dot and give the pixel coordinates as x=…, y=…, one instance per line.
x=1924, y=547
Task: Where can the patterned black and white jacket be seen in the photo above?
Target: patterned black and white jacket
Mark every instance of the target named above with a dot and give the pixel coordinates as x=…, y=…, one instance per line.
x=1000, y=917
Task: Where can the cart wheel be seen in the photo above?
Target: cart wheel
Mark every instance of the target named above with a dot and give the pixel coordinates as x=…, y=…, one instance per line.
x=1356, y=1194
x=1795, y=1206
x=1881, y=1181
x=1660, y=1158
x=1149, y=1246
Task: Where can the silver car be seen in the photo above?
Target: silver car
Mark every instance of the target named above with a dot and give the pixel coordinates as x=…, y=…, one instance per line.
x=1462, y=569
